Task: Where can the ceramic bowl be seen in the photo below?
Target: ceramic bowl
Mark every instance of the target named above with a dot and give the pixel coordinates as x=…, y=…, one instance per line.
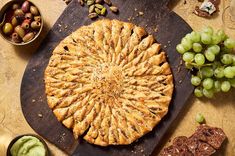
x=2, y=12
x=20, y=136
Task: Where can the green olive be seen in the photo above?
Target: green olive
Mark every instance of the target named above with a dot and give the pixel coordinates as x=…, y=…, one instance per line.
x=25, y=25
x=29, y=16
x=37, y=18
x=15, y=6
x=15, y=38
x=35, y=25
x=14, y=22
x=34, y=10
x=20, y=31
x=7, y=28
x=25, y=6
x=28, y=37
x=19, y=12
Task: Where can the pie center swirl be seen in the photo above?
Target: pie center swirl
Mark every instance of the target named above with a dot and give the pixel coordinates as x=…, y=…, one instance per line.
x=107, y=80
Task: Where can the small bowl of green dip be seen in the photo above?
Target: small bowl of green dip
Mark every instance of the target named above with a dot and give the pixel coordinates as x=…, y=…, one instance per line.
x=28, y=145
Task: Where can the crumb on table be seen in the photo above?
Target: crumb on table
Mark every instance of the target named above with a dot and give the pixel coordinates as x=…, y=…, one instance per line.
x=40, y=115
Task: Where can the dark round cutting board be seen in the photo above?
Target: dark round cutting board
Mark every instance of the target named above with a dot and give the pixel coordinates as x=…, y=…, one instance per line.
x=170, y=29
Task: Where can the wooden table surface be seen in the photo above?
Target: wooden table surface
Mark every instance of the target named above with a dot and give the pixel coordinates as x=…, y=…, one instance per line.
x=219, y=111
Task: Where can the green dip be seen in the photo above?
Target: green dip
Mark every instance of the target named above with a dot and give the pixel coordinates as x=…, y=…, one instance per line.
x=28, y=146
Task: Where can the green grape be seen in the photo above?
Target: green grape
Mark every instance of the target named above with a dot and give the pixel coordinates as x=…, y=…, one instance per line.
x=233, y=60
x=229, y=43
x=233, y=69
x=208, y=93
x=215, y=49
x=210, y=56
x=216, y=39
x=186, y=43
x=188, y=56
x=232, y=82
x=188, y=36
x=199, y=59
x=206, y=71
x=226, y=59
x=180, y=49
x=199, y=74
x=222, y=35
x=229, y=72
x=219, y=72
x=200, y=118
x=208, y=30
x=225, y=86
x=206, y=38
x=216, y=64
x=208, y=83
x=195, y=37
x=226, y=50
x=195, y=80
x=217, y=86
x=197, y=47
x=198, y=92
x=188, y=65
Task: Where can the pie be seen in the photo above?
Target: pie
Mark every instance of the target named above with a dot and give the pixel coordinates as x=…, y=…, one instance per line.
x=109, y=82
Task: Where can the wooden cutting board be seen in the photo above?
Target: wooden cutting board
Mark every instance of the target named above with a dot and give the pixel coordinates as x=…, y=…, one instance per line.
x=170, y=29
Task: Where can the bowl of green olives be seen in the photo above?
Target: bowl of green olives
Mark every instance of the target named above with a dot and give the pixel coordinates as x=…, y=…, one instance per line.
x=20, y=22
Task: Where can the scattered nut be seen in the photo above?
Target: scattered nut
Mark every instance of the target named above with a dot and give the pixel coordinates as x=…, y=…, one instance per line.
x=178, y=69
x=103, y=11
x=98, y=1
x=91, y=8
x=99, y=6
x=114, y=9
x=181, y=62
x=141, y=13
x=93, y=15
x=155, y=29
x=81, y=2
x=98, y=11
x=108, y=2
x=67, y=1
x=90, y=2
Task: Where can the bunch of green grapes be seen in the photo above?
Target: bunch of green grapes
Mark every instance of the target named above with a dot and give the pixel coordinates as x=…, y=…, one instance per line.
x=210, y=54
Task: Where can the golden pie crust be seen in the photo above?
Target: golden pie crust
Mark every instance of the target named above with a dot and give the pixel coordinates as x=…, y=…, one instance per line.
x=109, y=82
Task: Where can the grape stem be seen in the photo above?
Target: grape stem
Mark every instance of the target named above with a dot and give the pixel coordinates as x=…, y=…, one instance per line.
x=196, y=65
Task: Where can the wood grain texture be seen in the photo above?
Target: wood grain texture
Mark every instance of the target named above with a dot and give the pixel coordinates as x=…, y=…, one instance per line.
x=171, y=28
